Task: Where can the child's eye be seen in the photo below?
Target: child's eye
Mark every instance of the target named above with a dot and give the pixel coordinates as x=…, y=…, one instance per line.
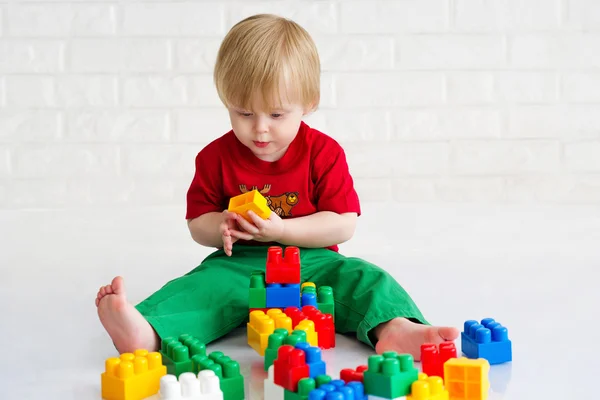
x=276, y=115
x=246, y=114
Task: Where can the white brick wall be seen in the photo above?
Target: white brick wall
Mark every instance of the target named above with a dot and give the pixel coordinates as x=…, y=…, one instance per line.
x=107, y=102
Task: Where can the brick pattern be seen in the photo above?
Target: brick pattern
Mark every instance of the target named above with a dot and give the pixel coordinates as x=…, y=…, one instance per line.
x=107, y=103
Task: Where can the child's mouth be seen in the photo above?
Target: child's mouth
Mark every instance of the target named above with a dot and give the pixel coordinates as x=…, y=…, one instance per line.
x=261, y=144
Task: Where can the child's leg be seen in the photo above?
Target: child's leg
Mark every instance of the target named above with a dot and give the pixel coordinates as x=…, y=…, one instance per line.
x=207, y=302
x=370, y=302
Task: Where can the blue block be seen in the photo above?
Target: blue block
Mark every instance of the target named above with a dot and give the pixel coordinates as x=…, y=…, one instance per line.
x=487, y=340
x=336, y=391
x=282, y=296
x=309, y=299
x=316, y=366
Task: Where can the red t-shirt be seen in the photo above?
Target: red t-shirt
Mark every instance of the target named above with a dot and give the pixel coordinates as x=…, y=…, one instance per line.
x=312, y=176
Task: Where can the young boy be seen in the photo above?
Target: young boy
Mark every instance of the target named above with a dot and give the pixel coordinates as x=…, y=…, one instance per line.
x=267, y=74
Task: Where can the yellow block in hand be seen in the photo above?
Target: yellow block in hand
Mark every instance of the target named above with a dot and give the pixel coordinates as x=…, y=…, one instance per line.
x=245, y=202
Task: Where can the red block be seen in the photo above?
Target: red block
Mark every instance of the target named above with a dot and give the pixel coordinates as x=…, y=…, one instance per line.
x=433, y=359
x=289, y=367
x=283, y=270
x=324, y=326
x=295, y=314
x=350, y=375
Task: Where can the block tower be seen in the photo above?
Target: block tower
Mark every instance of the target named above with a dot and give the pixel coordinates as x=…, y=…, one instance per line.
x=277, y=302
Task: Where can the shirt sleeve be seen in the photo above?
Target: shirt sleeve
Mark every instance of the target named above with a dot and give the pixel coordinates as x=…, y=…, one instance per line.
x=334, y=188
x=204, y=194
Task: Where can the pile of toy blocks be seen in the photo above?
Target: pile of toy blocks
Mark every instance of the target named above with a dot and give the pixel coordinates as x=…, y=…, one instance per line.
x=180, y=370
x=299, y=373
x=281, y=310
x=296, y=370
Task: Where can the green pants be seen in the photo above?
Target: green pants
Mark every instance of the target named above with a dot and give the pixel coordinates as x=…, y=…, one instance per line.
x=212, y=299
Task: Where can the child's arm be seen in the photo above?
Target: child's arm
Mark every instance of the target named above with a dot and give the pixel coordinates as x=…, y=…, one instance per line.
x=322, y=229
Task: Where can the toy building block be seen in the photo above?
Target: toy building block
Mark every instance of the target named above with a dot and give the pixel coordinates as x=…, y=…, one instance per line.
x=271, y=390
x=258, y=291
x=433, y=358
x=250, y=201
x=261, y=325
x=284, y=269
x=351, y=375
x=487, y=340
x=324, y=326
x=278, y=339
x=339, y=390
x=177, y=353
x=226, y=369
x=283, y=295
x=132, y=376
x=325, y=300
x=290, y=367
x=308, y=326
x=308, y=297
x=295, y=314
x=316, y=366
x=204, y=386
x=390, y=375
x=305, y=386
x=428, y=388
x=467, y=379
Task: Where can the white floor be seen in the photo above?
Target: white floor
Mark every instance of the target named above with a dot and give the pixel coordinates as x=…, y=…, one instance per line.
x=529, y=267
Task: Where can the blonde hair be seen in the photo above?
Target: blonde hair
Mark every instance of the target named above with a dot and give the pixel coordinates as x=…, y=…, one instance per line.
x=259, y=54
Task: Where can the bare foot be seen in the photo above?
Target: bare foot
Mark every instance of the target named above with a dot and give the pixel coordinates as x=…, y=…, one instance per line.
x=128, y=329
x=406, y=337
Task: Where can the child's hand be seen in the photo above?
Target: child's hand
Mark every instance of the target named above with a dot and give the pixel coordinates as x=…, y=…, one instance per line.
x=230, y=233
x=262, y=230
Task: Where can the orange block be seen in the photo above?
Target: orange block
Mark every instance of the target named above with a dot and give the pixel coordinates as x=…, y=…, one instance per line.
x=467, y=379
x=132, y=376
x=250, y=201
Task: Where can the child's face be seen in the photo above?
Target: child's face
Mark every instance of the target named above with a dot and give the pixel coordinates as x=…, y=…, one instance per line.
x=267, y=133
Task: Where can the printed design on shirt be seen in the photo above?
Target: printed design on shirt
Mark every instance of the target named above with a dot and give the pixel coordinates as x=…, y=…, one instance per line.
x=281, y=204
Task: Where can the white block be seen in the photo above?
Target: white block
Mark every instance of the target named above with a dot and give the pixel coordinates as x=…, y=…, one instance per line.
x=272, y=391
x=205, y=386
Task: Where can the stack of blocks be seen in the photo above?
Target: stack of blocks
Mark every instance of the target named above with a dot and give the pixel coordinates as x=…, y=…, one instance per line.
x=298, y=373
x=280, y=307
x=279, y=287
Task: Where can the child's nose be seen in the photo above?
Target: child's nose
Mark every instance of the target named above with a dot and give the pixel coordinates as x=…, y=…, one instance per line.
x=261, y=125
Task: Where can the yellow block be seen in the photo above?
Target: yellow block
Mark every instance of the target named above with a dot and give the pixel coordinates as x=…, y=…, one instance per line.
x=261, y=325
x=307, y=284
x=467, y=379
x=428, y=388
x=309, y=327
x=132, y=376
x=245, y=202
x=281, y=319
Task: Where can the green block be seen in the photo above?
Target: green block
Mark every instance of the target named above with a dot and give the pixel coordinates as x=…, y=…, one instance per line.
x=305, y=386
x=322, y=380
x=278, y=339
x=258, y=290
x=390, y=375
x=228, y=371
x=275, y=342
x=309, y=289
x=177, y=353
x=325, y=302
